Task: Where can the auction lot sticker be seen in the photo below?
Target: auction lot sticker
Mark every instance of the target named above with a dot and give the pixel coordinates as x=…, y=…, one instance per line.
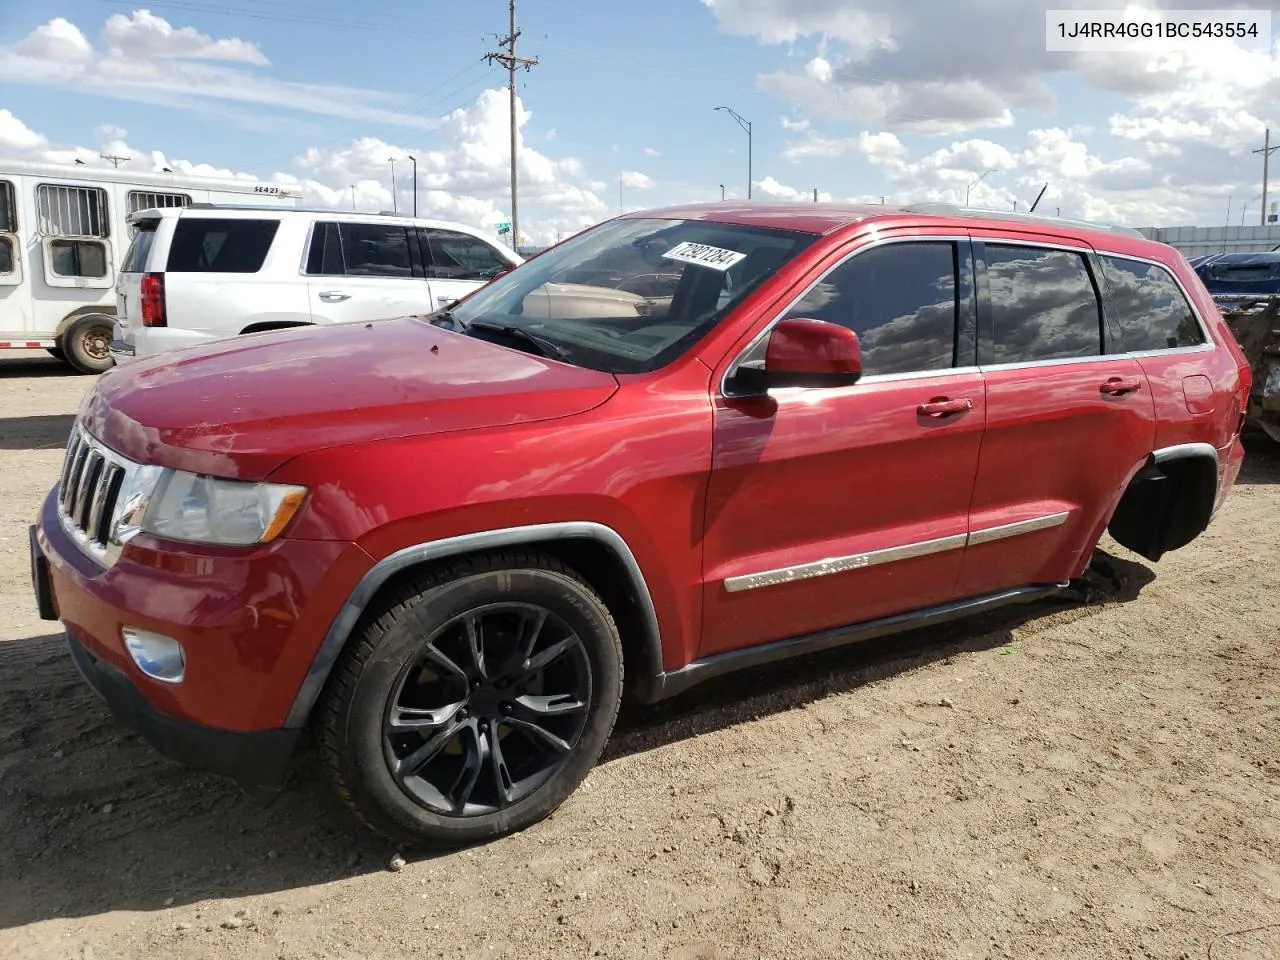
x=717, y=258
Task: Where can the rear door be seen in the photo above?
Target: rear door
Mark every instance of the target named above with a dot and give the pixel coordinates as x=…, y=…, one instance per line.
x=832, y=506
x=457, y=263
x=15, y=297
x=361, y=271
x=1066, y=423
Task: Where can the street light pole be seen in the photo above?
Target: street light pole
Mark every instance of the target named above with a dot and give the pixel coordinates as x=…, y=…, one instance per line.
x=394, y=207
x=722, y=191
x=353, y=196
x=745, y=125
x=415, y=185
x=974, y=184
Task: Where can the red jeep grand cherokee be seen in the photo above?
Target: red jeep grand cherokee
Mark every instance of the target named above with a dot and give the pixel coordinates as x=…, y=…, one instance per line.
x=682, y=442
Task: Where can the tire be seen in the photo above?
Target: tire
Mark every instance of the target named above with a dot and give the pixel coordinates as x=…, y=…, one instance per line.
x=56, y=353
x=85, y=343
x=422, y=750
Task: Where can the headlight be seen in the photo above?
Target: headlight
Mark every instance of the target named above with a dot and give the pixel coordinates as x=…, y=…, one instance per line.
x=229, y=512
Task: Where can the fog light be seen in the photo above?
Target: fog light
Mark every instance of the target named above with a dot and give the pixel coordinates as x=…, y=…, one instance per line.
x=156, y=655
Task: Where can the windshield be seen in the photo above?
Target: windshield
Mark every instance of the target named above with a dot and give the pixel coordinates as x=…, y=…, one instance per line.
x=630, y=295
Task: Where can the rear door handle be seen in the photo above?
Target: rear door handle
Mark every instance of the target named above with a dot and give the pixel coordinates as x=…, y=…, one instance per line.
x=1119, y=386
x=334, y=296
x=940, y=407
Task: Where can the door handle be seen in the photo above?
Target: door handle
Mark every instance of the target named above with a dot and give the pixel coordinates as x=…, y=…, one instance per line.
x=1119, y=386
x=940, y=407
x=334, y=296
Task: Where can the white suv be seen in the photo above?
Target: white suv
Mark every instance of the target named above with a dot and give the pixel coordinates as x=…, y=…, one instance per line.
x=204, y=272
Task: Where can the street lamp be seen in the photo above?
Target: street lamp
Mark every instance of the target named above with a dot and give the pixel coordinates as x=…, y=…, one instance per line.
x=745, y=125
x=974, y=184
x=415, y=185
x=394, y=207
x=722, y=191
x=353, y=196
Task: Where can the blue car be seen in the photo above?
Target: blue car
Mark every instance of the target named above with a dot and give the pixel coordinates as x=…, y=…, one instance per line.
x=1240, y=275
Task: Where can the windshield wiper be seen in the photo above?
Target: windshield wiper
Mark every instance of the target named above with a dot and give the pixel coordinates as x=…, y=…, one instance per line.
x=542, y=346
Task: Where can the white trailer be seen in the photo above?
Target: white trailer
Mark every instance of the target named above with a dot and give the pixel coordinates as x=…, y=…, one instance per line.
x=63, y=234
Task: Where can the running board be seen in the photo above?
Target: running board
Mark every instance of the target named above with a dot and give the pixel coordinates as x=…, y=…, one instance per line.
x=677, y=681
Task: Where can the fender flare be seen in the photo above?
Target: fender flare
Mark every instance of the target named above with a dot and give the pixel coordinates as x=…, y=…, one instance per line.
x=335, y=639
x=82, y=313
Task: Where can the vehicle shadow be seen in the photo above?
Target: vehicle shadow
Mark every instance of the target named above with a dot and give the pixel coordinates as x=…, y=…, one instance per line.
x=37, y=365
x=44, y=432
x=1261, y=460
x=80, y=795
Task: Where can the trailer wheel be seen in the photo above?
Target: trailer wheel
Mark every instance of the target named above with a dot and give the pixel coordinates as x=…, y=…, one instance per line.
x=86, y=344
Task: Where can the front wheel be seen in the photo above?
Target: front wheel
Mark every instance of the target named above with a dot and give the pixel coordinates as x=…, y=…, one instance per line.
x=87, y=344
x=476, y=703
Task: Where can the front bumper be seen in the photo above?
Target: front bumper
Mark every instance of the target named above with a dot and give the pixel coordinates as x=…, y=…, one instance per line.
x=257, y=760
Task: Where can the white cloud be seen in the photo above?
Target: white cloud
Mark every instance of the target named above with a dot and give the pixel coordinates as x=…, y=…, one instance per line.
x=144, y=35
x=463, y=175
x=651, y=152
x=59, y=39
x=144, y=58
x=635, y=180
x=773, y=190
x=111, y=131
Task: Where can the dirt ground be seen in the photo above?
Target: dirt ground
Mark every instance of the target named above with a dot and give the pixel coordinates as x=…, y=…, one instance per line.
x=1056, y=781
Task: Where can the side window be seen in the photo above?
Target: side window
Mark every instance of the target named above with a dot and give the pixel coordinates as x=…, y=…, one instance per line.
x=376, y=250
x=1152, y=312
x=458, y=256
x=72, y=211
x=324, y=259
x=900, y=299
x=1043, y=305
x=74, y=223
x=9, y=273
x=220, y=245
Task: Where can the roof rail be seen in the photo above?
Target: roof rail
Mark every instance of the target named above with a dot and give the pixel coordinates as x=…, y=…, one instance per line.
x=954, y=210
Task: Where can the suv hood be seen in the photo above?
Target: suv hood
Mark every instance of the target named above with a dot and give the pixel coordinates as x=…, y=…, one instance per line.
x=244, y=406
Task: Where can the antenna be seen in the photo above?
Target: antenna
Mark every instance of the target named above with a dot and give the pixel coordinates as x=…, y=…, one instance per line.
x=115, y=161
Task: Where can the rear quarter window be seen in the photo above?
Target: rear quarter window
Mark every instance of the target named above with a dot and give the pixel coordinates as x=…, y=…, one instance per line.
x=222, y=245
x=1150, y=308
x=139, y=252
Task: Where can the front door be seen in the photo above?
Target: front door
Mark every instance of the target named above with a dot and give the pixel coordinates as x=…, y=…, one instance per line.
x=457, y=263
x=828, y=507
x=1066, y=422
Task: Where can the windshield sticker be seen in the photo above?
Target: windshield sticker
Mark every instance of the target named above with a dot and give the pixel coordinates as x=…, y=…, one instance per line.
x=717, y=258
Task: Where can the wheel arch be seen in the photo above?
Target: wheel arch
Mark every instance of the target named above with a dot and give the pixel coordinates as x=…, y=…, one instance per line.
x=597, y=552
x=1169, y=501
x=80, y=313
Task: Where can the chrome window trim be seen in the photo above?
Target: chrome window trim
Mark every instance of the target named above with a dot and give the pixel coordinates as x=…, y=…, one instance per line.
x=1056, y=362
x=871, y=245
x=1024, y=242
x=907, y=551
x=1209, y=344
x=920, y=375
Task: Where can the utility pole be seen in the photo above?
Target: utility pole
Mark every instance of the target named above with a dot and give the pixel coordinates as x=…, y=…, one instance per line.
x=513, y=63
x=116, y=161
x=1266, y=157
x=353, y=196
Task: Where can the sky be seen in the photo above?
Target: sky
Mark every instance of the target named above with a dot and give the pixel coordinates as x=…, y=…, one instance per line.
x=859, y=99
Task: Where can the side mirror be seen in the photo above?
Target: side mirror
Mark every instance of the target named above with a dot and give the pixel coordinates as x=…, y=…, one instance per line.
x=805, y=353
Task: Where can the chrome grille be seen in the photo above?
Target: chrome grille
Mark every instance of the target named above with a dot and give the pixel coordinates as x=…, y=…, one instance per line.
x=89, y=494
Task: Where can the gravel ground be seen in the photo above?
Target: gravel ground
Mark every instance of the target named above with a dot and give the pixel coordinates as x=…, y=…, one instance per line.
x=1058, y=781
